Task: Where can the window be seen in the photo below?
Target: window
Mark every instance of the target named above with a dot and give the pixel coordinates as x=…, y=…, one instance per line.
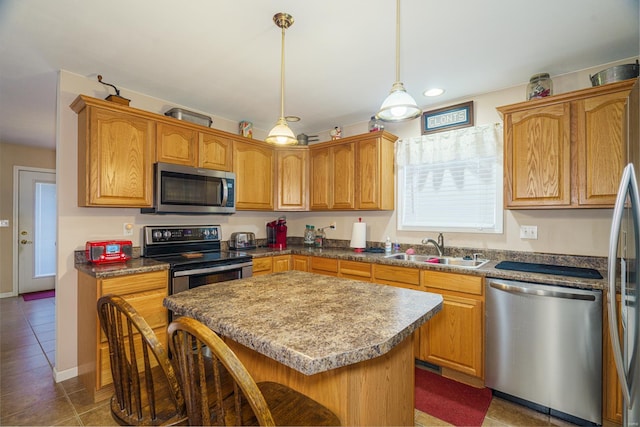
x=451, y=181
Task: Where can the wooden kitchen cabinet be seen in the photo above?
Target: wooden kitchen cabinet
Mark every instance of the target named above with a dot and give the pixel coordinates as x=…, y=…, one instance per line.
x=565, y=151
x=404, y=277
x=253, y=164
x=145, y=292
x=612, y=399
x=281, y=263
x=355, y=270
x=215, y=151
x=262, y=265
x=300, y=262
x=292, y=179
x=116, y=148
x=353, y=173
x=454, y=338
x=326, y=266
x=177, y=144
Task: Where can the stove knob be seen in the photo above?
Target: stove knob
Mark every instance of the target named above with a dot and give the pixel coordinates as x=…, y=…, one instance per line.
x=205, y=232
x=157, y=235
x=166, y=234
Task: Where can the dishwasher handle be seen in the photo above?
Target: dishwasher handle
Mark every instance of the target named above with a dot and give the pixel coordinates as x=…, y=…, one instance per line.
x=515, y=289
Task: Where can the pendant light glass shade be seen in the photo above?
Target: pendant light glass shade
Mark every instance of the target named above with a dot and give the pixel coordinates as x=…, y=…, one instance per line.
x=399, y=105
x=281, y=134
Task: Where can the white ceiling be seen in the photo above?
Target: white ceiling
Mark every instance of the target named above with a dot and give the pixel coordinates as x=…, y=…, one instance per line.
x=223, y=57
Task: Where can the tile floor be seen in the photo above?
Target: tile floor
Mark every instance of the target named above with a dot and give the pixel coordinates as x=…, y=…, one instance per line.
x=30, y=396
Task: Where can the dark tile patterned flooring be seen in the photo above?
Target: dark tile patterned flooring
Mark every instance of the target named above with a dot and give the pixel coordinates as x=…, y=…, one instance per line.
x=29, y=395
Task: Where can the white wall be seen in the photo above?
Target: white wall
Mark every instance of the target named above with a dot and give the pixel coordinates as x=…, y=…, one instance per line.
x=578, y=232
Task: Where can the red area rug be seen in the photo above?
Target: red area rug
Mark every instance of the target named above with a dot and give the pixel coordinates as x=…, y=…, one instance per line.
x=451, y=401
x=39, y=295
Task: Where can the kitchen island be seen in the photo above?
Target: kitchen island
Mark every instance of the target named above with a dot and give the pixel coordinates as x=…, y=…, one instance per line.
x=345, y=343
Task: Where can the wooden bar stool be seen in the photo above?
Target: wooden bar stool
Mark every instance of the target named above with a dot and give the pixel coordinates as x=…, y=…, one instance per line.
x=242, y=401
x=147, y=391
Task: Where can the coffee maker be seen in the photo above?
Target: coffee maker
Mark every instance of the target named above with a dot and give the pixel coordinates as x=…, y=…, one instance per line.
x=277, y=233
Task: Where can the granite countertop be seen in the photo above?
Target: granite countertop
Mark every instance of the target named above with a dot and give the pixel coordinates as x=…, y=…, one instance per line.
x=309, y=322
x=133, y=266
x=487, y=270
x=142, y=265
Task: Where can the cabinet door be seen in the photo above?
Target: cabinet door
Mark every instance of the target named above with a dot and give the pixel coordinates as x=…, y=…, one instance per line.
x=291, y=180
x=404, y=277
x=374, y=174
x=253, y=166
x=300, y=263
x=115, y=159
x=281, y=263
x=355, y=270
x=537, y=157
x=321, y=171
x=214, y=152
x=262, y=266
x=601, y=152
x=343, y=159
x=453, y=337
x=176, y=144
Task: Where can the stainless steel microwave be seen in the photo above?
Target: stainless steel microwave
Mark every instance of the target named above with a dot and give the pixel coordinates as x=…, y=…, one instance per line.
x=187, y=190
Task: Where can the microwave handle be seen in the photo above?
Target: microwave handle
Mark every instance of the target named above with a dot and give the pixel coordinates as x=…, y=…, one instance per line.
x=225, y=192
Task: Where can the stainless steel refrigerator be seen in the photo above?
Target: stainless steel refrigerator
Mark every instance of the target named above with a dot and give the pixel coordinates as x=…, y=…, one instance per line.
x=624, y=268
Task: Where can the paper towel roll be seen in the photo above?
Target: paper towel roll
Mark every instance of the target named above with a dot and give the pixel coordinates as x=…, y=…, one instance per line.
x=359, y=235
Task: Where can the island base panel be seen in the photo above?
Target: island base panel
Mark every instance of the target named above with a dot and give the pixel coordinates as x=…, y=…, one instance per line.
x=374, y=392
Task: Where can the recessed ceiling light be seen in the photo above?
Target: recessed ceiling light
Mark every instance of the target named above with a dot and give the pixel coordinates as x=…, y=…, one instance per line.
x=433, y=92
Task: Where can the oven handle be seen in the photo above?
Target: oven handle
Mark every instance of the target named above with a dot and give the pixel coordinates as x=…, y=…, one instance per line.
x=212, y=269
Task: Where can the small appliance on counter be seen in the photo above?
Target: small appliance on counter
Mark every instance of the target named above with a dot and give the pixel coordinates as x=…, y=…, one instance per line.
x=106, y=251
x=242, y=240
x=277, y=233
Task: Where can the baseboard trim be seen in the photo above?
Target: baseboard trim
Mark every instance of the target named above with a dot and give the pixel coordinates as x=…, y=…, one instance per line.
x=60, y=376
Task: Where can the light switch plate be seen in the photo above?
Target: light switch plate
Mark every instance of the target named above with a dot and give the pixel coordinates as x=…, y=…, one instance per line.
x=529, y=232
x=127, y=229
x=4, y=222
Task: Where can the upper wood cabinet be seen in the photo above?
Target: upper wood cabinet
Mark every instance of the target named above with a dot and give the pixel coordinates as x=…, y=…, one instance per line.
x=565, y=151
x=253, y=165
x=116, y=148
x=215, y=151
x=353, y=173
x=292, y=179
x=177, y=144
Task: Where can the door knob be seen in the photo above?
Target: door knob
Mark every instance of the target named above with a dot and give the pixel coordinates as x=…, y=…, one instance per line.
x=25, y=242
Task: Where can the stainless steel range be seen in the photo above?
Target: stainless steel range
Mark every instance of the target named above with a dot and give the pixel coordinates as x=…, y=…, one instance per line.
x=194, y=255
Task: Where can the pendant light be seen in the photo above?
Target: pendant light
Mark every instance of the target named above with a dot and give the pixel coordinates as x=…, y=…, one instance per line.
x=399, y=105
x=281, y=134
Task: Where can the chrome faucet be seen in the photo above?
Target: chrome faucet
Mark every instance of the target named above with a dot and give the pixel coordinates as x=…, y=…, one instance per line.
x=439, y=244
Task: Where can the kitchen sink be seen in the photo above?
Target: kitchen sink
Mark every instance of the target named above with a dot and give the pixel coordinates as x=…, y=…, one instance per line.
x=442, y=260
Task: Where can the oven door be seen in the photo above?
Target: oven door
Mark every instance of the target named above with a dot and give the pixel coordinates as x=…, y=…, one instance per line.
x=182, y=280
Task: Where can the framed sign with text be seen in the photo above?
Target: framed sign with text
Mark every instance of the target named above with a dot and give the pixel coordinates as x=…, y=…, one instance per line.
x=448, y=118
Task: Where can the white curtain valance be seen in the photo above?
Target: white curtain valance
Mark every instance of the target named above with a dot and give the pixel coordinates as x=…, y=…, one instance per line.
x=461, y=144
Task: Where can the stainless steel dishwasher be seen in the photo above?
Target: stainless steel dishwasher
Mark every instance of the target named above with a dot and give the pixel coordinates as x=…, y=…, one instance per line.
x=544, y=348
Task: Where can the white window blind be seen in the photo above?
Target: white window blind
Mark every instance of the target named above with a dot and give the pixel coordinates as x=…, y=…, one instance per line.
x=451, y=181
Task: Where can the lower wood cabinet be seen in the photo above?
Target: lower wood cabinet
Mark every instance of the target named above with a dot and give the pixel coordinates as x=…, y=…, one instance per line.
x=454, y=338
x=144, y=292
x=326, y=266
x=403, y=277
x=355, y=270
x=300, y=262
x=271, y=264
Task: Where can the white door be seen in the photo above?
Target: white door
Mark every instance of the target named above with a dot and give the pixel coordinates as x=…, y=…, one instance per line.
x=36, y=231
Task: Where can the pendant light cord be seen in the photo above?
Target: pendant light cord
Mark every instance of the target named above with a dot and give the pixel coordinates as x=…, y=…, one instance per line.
x=397, y=40
x=282, y=77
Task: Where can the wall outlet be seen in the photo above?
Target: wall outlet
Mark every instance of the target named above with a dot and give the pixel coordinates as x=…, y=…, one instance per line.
x=4, y=222
x=127, y=229
x=332, y=225
x=529, y=232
